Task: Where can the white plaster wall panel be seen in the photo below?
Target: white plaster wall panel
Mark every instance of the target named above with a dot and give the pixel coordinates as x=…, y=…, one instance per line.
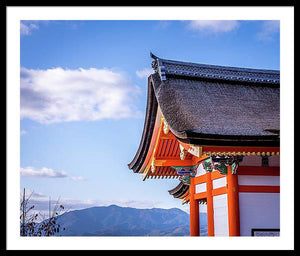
x=200, y=170
x=251, y=161
x=274, y=161
x=259, y=180
x=258, y=210
x=219, y=183
x=200, y=188
x=220, y=215
x=202, y=208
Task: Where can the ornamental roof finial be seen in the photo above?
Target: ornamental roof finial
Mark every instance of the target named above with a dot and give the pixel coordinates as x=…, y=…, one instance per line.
x=153, y=56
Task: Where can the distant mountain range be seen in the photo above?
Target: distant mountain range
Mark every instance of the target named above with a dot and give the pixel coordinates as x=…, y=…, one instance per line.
x=114, y=220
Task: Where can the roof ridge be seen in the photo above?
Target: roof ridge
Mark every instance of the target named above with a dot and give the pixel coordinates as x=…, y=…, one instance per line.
x=167, y=67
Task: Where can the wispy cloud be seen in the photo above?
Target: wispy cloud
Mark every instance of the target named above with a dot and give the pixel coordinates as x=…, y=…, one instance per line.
x=144, y=73
x=23, y=132
x=213, y=26
x=269, y=29
x=45, y=172
x=26, y=27
x=42, y=173
x=41, y=202
x=78, y=178
x=62, y=95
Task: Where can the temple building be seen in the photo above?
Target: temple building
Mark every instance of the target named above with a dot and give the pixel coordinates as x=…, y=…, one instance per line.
x=216, y=129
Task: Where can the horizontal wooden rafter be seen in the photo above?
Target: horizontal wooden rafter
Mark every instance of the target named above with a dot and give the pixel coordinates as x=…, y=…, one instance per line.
x=163, y=172
x=173, y=162
x=219, y=191
x=200, y=179
x=259, y=189
x=168, y=136
x=200, y=195
x=259, y=170
x=217, y=175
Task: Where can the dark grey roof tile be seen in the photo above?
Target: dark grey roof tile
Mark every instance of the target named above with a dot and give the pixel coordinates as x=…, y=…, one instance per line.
x=171, y=67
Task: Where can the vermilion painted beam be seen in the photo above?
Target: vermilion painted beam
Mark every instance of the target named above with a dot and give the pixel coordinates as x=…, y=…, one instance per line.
x=173, y=162
x=201, y=195
x=258, y=170
x=259, y=189
x=168, y=136
x=200, y=179
x=217, y=175
x=219, y=191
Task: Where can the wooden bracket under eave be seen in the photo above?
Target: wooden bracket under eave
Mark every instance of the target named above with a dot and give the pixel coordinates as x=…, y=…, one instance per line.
x=192, y=149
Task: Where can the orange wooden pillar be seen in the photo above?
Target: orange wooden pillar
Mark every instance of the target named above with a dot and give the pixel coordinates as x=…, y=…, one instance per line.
x=210, y=206
x=233, y=203
x=194, y=211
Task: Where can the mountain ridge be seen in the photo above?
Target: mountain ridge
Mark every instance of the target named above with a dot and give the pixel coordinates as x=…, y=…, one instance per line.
x=114, y=220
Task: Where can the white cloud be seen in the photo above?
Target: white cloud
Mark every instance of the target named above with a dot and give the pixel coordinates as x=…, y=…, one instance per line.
x=144, y=73
x=63, y=95
x=41, y=202
x=23, y=132
x=213, y=26
x=27, y=27
x=269, y=30
x=42, y=173
x=45, y=172
x=78, y=178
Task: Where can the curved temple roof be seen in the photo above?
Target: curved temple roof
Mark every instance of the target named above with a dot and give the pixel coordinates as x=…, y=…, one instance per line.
x=180, y=190
x=209, y=105
x=216, y=105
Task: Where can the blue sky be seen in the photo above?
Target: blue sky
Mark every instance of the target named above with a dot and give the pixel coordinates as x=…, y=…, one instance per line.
x=83, y=99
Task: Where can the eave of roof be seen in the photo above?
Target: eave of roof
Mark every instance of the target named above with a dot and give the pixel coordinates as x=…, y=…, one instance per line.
x=150, y=117
x=179, y=190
